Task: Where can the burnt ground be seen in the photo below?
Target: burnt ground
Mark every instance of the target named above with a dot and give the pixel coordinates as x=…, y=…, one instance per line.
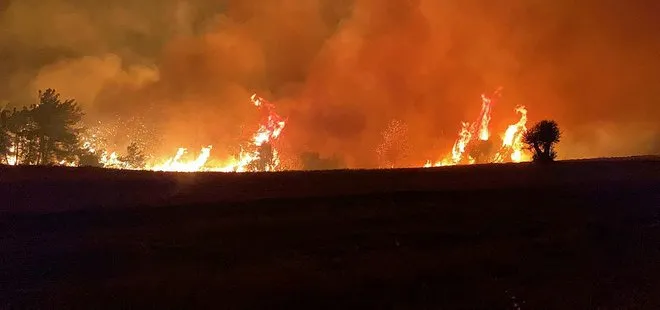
x=574, y=235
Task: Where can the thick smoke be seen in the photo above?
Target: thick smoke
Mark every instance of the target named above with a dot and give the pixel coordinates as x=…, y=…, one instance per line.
x=342, y=70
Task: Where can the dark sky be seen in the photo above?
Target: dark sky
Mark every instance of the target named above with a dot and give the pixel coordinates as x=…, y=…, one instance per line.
x=341, y=70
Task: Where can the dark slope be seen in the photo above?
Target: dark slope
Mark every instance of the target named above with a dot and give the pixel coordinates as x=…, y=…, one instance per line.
x=580, y=235
x=54, y=189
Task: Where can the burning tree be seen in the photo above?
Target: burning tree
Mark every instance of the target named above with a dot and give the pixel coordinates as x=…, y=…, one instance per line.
x=265, y=159
x=264, y=155
x=394, y=148
x=103, y=138
x=134, y=157
x=480, y=151
x=541, y=139
x=469, y=130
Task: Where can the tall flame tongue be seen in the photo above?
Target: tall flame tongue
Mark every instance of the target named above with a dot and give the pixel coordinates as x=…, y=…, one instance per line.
x=469, y=130
x=263, y=156
x=484, y=116
x=512, y=142
x=512, y=145
x=270, y=129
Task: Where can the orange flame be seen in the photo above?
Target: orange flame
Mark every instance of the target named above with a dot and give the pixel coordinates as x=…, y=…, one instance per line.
x=269, y=131
x=175, y=163
x=512, y=140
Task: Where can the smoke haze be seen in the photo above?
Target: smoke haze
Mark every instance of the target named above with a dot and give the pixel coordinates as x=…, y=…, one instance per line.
x=342, y=70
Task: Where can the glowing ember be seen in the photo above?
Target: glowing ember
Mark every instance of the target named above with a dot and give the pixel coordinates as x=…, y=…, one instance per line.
x=394, y=147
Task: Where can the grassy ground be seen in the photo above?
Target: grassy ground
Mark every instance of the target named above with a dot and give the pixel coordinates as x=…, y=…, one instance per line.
x=576, y=235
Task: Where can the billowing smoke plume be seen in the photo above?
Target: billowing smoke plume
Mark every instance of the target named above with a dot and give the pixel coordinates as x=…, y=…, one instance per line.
x=342, y=70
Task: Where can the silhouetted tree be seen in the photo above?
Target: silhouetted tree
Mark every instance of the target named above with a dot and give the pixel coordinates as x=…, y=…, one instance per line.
x=57, y=127
x=134, y=156
x=22, y=131
x=541, y=138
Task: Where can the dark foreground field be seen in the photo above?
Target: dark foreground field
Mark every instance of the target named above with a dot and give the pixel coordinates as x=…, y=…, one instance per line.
x=575, y=235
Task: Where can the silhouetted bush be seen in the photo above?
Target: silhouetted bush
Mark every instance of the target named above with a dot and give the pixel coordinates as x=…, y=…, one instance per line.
x=541, y=139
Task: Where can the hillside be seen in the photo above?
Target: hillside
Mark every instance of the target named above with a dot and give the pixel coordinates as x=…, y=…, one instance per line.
x=575, y=235
x=53, y=189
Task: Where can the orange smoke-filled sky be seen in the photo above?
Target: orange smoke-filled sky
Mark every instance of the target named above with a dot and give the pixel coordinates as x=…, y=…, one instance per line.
x=341, y=70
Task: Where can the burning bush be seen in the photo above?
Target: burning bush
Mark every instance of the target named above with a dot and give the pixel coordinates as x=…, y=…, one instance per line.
x=475, y=139
x=481, y=151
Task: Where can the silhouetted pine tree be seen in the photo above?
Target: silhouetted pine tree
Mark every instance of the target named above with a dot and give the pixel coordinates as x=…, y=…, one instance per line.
x=44, y=133
x=57, y=127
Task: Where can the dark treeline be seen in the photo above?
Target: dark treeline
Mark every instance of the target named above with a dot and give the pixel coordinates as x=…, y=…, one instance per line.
x=44, y=133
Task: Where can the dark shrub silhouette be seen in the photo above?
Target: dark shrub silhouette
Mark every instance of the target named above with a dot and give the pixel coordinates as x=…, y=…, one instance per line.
x=541, y=139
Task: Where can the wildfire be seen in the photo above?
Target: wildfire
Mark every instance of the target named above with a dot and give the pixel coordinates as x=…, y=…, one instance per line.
x=258, y=155
x=512, y=140
x=175, y=163
x=111, y=160
x=12, y=159
x=512, y=145
x=484, y=116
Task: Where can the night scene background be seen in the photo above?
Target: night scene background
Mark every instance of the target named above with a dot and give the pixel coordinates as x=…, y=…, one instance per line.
x=404, y=154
